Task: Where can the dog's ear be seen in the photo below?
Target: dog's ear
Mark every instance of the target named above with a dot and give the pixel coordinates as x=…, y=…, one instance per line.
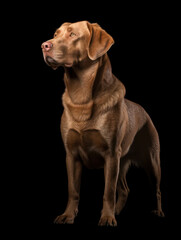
x=100, y=41
x=65, y=24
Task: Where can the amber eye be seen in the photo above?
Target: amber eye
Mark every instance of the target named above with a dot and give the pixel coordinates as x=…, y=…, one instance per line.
x=55, y=34
x=72, y=34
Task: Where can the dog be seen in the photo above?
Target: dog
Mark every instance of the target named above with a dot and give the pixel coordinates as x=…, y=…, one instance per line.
x=100, y=128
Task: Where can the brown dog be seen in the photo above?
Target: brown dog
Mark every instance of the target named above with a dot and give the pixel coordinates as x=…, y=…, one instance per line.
x=99, y=127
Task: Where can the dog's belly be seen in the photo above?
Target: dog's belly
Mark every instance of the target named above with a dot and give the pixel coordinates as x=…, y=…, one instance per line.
x=89, y=145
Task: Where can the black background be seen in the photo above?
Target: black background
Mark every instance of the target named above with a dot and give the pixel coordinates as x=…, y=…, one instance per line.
x=141, y=59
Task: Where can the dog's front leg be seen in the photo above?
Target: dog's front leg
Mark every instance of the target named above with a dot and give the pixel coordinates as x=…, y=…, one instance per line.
x=111, y=170
x=74, y=170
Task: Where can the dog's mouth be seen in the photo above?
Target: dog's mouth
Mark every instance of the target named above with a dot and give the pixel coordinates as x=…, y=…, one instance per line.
x=51, y=62
x=54, y=64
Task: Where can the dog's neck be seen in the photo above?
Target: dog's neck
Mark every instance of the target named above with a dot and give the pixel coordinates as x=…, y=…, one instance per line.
x=85, y=83
x=80, y=80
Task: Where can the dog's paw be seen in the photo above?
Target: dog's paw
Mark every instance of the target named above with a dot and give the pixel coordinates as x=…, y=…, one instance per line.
x=158, y=213
x=64, y=219
x=107, y=221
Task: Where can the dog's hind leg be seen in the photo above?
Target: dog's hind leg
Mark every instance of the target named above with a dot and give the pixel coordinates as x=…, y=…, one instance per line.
x=122, y=187
x=153, y=171
x=148, y=157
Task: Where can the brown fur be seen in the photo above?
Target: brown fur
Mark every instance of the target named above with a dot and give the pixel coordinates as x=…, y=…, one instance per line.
x=99, y=127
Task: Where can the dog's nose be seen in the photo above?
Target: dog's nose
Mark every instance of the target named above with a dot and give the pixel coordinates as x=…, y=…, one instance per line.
x=47, y=46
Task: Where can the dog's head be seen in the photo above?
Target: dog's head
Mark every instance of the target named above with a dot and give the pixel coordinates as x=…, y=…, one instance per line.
x=74, y=42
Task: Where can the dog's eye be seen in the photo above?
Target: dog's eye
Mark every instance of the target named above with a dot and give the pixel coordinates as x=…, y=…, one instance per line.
x=55, y=34
x=72, y=34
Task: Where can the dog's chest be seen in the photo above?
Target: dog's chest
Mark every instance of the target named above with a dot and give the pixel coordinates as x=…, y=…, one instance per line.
x=90, y=145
